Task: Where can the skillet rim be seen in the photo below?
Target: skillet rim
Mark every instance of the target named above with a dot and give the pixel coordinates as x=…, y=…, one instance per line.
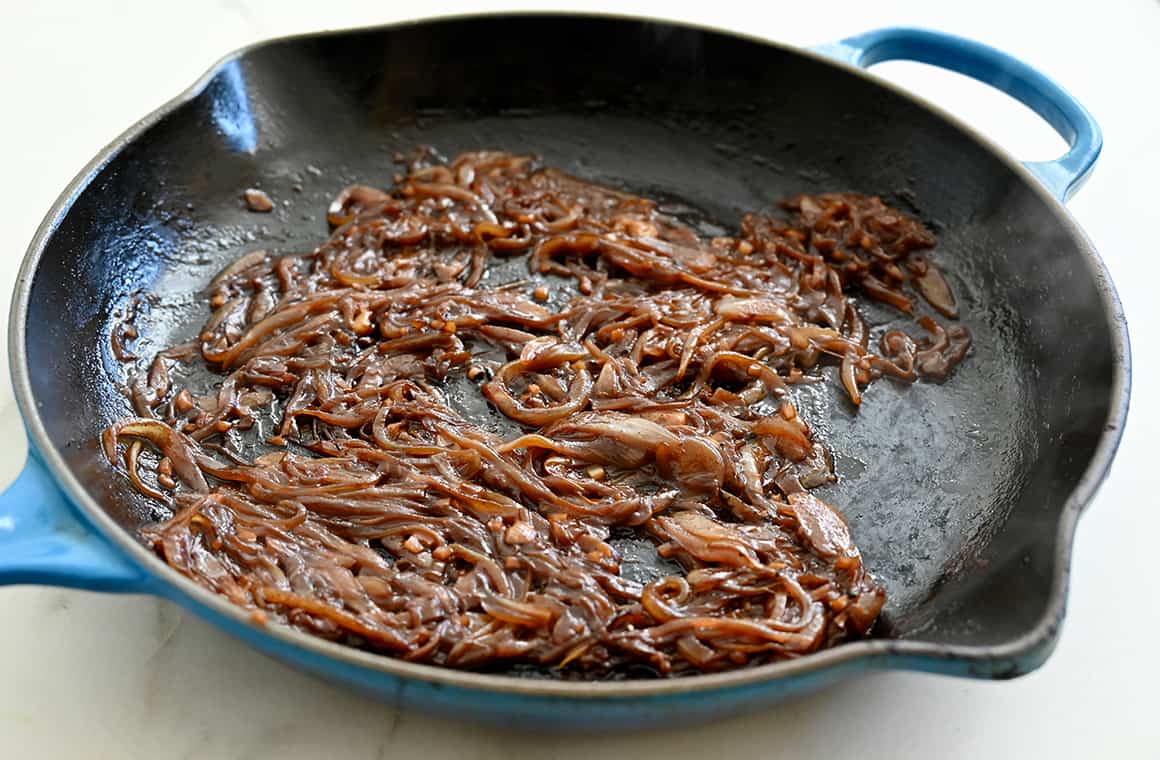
x=1014, y=657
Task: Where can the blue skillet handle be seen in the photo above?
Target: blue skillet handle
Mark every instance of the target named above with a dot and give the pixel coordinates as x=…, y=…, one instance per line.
x=44, y=541
x=990, y=66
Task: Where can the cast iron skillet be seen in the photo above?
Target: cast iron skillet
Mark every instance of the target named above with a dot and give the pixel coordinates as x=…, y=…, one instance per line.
x=963, y=497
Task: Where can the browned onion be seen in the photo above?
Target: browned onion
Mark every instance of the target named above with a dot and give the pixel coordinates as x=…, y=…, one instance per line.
x=336, y=480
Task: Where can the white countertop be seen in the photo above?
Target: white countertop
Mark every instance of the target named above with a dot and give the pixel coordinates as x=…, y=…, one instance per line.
x=90, y=675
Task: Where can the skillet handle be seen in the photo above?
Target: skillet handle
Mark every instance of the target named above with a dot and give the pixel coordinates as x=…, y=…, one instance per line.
x=1059, y=108
x=43, y=540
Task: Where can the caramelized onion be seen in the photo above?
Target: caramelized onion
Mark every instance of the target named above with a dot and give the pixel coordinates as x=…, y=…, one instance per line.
x=409, y=450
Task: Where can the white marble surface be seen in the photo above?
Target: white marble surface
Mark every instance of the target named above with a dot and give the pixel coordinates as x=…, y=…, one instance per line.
x=88, y=675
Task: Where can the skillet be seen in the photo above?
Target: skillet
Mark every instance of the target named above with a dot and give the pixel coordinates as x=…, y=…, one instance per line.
x=963, y=498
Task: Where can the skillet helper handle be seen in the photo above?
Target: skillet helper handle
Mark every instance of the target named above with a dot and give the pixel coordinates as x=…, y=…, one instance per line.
x=43, y=540
x=1056, y=105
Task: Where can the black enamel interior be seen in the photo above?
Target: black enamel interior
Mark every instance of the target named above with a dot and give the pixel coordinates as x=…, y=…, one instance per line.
x=954, y=492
